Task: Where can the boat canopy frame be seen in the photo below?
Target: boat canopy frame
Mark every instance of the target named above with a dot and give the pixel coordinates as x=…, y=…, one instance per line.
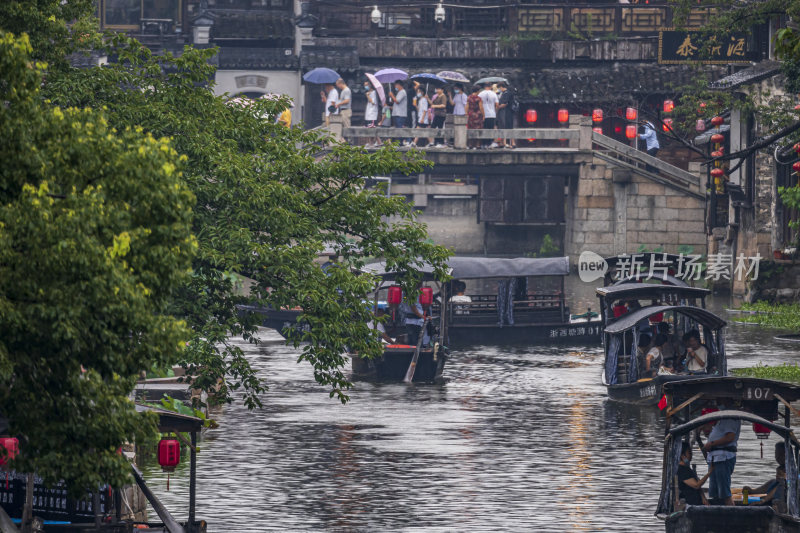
x=677, y=435
x=621, y=339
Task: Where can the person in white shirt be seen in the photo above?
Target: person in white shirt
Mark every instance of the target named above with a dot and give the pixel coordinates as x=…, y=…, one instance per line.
x=329, y=98
x=372, y=110
x=378, y=325
x=696, y=353
x=458, y=100
x=490, y=100
x=422, y=105
x=460, y=298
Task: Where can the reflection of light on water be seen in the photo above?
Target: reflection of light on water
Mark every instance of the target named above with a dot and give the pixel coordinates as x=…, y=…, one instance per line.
x=580, y=485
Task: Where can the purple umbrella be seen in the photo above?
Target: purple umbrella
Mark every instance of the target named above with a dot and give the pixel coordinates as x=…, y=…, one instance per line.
x=450, y=75
x=391, y=75
x=378, y=87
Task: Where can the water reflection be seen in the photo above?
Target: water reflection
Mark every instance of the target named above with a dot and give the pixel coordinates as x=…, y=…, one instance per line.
x=517, y=438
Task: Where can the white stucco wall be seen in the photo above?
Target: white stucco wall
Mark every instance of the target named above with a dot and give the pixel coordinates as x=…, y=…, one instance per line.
x=262, y=81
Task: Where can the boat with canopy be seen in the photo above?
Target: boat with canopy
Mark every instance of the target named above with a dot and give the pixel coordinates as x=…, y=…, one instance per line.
x=766, y=406
x=634, y=316
x=514, y=300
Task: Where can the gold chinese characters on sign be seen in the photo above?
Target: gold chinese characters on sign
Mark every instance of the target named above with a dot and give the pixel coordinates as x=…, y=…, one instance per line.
x=694, y=46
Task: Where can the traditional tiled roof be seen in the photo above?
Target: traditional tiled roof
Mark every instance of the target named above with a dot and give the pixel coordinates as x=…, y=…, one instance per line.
x=231, y=57
x=754, y=74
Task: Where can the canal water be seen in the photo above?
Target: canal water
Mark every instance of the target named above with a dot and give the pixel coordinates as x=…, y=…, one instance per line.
x=515, y=439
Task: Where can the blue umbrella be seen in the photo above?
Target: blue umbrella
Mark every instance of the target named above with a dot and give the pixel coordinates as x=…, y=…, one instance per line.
x=427, y=77
x=321, y=75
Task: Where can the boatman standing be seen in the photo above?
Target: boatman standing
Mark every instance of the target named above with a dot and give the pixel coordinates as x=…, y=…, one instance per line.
x=413, y=319
x=721, y=448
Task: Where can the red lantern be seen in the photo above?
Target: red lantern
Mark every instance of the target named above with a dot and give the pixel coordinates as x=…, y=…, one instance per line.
x=717, y=121
x=169, y=453
x=426, y=296
x=797, y=107
x=796, y=166
x=563, y=115
x=630, y=131
x=717, y=153
x=717, y=172
x=700, y=126
x=717, y=138
x=669, y=106
x=797, y=148
x=597, y=115
x=702, y=108
x=631, y=114
x=667, y=125
x=11, y=447
x=599, y=131
x=531, y=116
x=762, y=432
x=395, y=296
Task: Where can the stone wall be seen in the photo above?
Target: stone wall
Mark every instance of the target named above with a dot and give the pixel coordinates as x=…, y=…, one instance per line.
x=615, y=211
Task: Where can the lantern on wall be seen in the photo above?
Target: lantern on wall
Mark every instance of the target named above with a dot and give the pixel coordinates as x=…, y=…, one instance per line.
x=598, y=130
x=700, y=126
x=426, y=297
x=630, y=131
x=717, y=153
x=169, y=455
x=717, y=138
x=717, y=121
x=667, y=125
x=796, y=166
x=796, y=148
x=669, y=106
x=701, y=108
x=563, y=115
x=531, y=116
x=597, y=115
x=631, y=113
x=717, y=172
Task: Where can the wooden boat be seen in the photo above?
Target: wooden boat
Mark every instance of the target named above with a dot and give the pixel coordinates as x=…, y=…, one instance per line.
x=537, y=313
x=757, y=401
x=682, y=307
x=396, y=362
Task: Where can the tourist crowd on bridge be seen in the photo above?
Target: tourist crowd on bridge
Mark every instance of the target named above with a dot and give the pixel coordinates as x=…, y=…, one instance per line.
x=412, y=104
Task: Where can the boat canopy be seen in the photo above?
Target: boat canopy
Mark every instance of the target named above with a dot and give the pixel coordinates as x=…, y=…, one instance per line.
x=635, y=291
x=497, y=267
x=716, y=416
x=749, y=389
x=676, y=436
x=698, y=314
x=638, y=278
x=379, y=269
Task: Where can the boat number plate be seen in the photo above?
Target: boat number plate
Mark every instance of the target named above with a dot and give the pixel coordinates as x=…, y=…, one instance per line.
x=647, y=391
x=758, y=393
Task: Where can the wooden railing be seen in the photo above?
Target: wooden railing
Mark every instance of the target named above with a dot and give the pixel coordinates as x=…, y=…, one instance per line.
x=501, y=18
x=577, y=135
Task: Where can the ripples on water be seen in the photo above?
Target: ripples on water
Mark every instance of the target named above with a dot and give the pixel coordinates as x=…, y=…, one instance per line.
x=515, y=439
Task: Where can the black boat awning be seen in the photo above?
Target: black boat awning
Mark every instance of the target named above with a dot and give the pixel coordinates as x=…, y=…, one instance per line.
x=497, y=267
x=629, y=320
x=739, y=387
x=634, y=291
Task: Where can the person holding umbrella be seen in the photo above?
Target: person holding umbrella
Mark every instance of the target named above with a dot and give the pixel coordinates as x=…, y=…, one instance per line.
x=400, y=107
x=490, y=101
x=505, y=113
x=371, y=112
x=458, y=100
x=439, y=106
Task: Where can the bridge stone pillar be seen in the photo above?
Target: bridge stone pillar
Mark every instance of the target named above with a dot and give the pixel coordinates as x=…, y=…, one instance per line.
x=460, y=131
x=336, y=127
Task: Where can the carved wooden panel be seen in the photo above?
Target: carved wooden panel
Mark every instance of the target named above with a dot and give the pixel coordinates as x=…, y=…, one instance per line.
x=643, y=19
x=594, y=20
x=539, y=19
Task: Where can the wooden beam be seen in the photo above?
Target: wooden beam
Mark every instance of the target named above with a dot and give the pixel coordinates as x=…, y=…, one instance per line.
x=684, y=404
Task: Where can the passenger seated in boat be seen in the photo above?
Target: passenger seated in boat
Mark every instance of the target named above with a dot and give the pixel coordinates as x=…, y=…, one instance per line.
x=460, y=287
x=642, y=348
x=378, y=325
x=775, y=489
x=690, y=488
x=654, y=358
x=696, y=353
x=668, y=351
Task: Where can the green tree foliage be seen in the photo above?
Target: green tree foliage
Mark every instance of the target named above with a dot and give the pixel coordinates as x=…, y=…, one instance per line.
x=94, y=238
x=269, y=198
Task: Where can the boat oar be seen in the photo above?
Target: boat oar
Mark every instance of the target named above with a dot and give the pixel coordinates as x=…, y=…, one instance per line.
x=412, y=367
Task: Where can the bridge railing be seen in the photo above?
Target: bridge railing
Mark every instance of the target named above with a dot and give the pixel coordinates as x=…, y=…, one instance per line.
x=578, y=135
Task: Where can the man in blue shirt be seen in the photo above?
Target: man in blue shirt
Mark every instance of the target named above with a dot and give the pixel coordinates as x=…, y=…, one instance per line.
x=413, y=319
x=721, y=448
